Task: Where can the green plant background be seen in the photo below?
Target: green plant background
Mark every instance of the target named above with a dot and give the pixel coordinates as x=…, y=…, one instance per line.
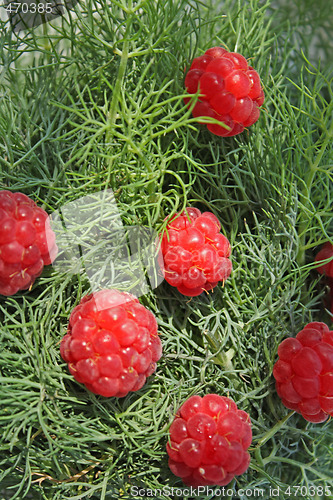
x=95, y=101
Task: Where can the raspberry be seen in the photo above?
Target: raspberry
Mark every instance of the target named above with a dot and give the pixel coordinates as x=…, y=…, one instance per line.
x=304, y=372
x=112, y=345
x=325, y=253
x=230, y=90
x=209, y=438
x=196, y=254
x=27, y=242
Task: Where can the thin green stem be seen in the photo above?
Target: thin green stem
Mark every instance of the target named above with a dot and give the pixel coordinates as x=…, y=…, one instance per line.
x=274, y=430
x=112, y=115
x=116, y=96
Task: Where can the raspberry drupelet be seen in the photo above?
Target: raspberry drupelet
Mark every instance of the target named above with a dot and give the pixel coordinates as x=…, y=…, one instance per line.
x=27, y=242
x=195, y=252
x=325, y=253
x=209, y=439
x=112, y=344
x=229, y=90
x=304, y=372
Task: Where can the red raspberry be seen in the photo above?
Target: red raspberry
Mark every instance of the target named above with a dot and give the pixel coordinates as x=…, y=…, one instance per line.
x=304, y=372
x=230, y=90
x=27, y=242
x=209, y=438
x=112, y=344
x=325, y=253
x=195, y=252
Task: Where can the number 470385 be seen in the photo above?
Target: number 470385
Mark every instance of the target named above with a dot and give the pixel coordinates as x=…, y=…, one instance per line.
x=32, y=8
x=304, y=491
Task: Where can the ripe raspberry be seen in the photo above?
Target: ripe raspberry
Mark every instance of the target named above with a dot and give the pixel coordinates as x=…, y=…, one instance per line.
x=195, y=252
x=27, y=242
x=325, y=253
x=230, y=90
x=112, y=345
x=209, y=438
x=304, y=372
